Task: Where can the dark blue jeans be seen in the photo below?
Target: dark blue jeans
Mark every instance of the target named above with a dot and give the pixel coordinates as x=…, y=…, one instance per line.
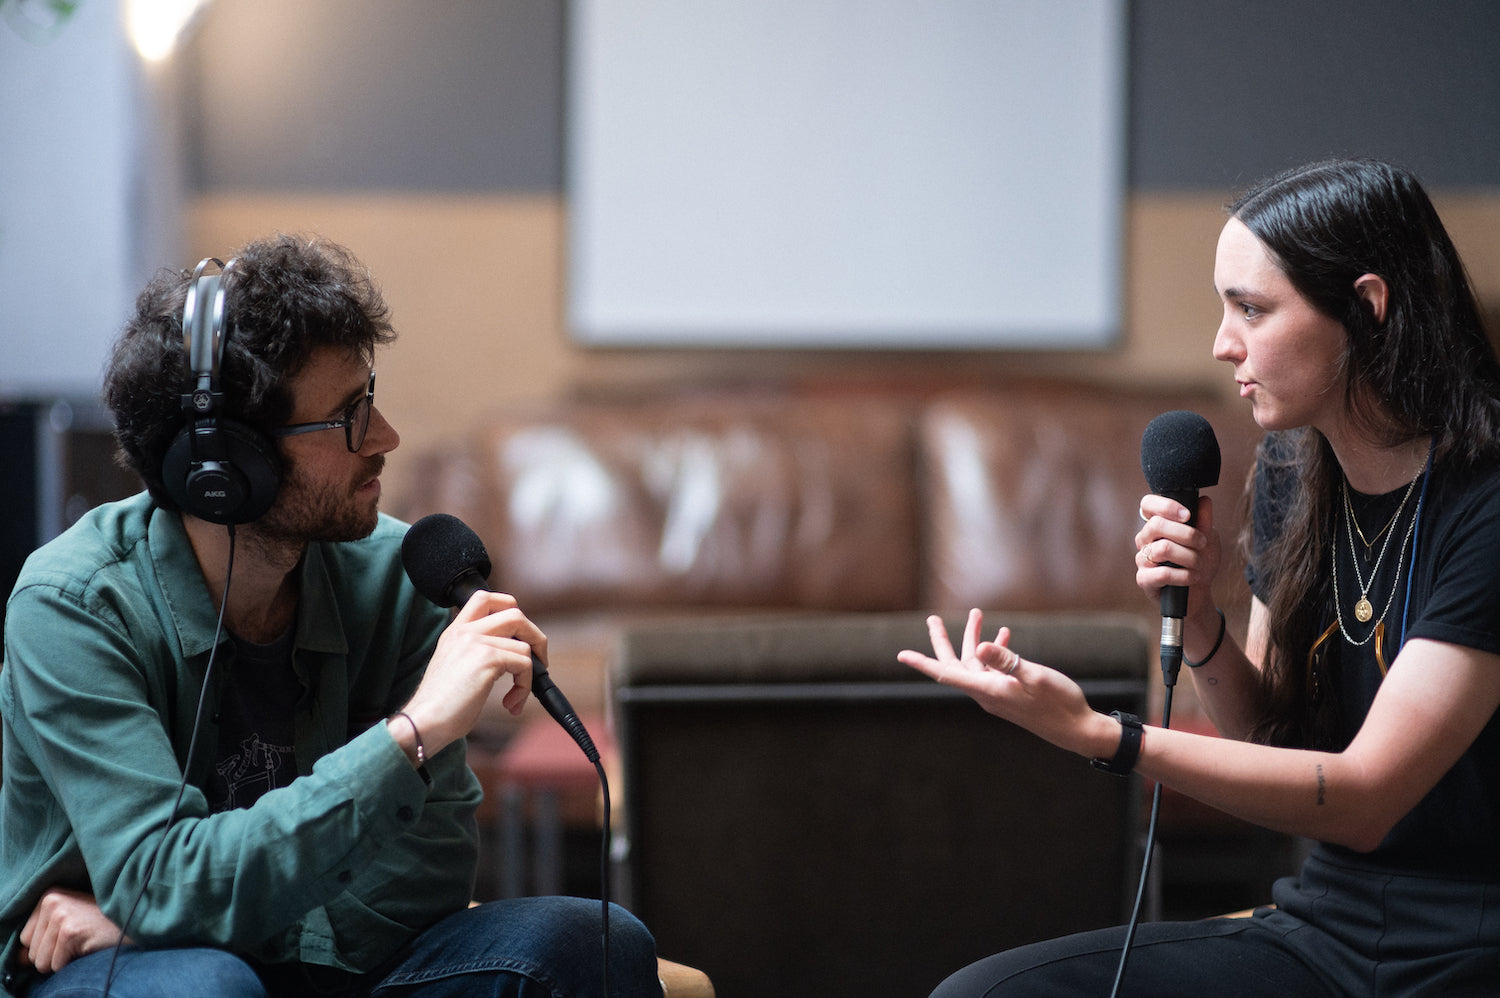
x=524, y=948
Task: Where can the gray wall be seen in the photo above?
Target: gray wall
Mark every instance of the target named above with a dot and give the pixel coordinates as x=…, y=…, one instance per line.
x=1226, y=91
x=469, y=95
x=378, y=95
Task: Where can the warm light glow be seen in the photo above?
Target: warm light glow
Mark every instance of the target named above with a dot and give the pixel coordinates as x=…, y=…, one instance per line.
x=155, y=25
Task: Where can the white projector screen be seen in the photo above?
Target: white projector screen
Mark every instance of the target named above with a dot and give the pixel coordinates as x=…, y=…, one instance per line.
x=846, y=173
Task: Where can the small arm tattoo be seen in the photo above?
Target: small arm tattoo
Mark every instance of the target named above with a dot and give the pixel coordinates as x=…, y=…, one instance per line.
x=1322, y=785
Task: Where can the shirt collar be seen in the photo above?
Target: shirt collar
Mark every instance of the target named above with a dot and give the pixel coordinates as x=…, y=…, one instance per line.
x=320, y=627
x=319, y=623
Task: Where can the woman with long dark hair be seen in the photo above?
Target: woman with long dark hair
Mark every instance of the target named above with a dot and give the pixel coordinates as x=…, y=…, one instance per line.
x=1360, y=711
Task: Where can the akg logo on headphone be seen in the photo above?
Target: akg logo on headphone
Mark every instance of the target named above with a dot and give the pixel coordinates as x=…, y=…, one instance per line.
x=202, y=401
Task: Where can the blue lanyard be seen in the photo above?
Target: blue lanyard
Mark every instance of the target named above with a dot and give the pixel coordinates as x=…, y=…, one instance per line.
x=1416, y=540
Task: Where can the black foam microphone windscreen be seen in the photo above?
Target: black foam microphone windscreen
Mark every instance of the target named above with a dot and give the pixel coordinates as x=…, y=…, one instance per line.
x=1180, y=454
x=438, y=552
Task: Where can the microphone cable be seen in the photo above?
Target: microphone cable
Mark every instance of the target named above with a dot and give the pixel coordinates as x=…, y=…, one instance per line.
x=1140, y=894
x=551, y=698
x=604, y=851
x=182, y=786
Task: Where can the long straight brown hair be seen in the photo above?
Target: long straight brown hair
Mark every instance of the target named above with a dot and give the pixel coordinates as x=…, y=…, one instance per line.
x=1428, y=369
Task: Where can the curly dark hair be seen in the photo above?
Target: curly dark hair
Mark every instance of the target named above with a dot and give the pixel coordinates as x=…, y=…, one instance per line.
x=285, y=297
x=1428, y=369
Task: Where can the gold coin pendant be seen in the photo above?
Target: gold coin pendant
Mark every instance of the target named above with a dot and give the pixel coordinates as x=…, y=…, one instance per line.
x=1363, y=611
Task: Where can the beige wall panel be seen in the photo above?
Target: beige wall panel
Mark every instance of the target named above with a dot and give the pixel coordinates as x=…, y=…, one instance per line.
x=1473, y=220
x=1171, y=310
x=476, y=288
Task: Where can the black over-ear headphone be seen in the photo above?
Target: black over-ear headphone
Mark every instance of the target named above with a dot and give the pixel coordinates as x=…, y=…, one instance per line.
x=215, y=469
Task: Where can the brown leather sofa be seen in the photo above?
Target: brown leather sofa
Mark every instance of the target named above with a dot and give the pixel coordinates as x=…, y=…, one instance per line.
x=842, y=511
x=603, y=514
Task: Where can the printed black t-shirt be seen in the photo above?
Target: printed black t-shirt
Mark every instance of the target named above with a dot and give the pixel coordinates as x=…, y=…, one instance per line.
x=257, y=733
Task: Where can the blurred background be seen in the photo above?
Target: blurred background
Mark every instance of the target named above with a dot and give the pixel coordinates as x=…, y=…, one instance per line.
x=434, y=140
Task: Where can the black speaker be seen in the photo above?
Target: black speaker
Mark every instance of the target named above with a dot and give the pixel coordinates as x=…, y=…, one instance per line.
x=215, y=469
x=58, y=456
x=806, y=816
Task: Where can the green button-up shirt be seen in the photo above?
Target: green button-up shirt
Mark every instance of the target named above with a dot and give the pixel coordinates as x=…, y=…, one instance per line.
x=107, y=636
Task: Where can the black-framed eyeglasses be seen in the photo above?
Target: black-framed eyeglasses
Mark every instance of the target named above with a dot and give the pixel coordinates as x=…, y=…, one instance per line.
x=355, y=421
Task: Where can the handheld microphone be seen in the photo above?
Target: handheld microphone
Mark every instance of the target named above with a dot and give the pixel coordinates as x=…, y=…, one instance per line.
x=447, y=563
x=1180, y=455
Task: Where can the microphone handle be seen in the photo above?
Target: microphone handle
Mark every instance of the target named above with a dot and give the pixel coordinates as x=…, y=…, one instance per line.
x=1174, y=599
x=460, y=590
x=1188, y=498
x=553, y=701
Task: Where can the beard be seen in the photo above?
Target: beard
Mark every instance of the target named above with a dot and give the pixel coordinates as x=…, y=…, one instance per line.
x=306, y=511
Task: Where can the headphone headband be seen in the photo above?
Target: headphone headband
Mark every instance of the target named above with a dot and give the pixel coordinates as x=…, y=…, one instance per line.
x=203, y=339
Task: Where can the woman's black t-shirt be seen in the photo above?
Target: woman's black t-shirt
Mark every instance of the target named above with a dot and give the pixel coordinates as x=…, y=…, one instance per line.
x=1443, y=584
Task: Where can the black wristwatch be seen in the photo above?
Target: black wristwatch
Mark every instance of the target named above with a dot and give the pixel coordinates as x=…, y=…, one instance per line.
x=1130, y=746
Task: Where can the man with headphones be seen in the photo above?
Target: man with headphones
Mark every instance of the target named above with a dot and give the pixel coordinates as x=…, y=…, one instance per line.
x=233, y=731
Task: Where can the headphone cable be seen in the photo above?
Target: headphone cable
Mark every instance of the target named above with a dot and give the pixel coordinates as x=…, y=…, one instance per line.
x=182, y=786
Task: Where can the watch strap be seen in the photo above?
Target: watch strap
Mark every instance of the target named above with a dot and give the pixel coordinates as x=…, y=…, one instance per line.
x=1129, y=750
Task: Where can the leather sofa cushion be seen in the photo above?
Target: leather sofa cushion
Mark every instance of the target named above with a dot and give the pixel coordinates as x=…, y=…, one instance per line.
x=757, y=501
x=1031, y=494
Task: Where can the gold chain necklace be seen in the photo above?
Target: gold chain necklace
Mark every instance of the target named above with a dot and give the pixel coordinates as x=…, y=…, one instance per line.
x=1370, y=543
x=1363, y=611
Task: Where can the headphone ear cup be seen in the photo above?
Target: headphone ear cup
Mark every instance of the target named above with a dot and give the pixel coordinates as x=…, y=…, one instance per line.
x=237, y=488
